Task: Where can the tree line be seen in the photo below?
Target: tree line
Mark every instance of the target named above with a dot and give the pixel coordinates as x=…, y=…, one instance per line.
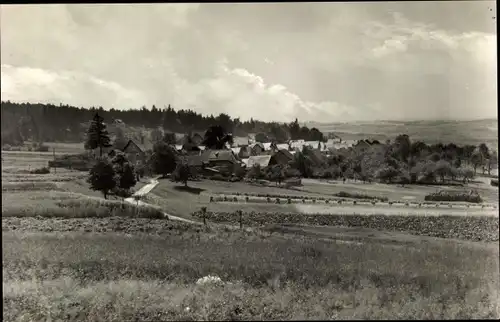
x=64, y=123
x=400, y=161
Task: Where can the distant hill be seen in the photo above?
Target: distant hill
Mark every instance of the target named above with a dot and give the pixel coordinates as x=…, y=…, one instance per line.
x=459, y=132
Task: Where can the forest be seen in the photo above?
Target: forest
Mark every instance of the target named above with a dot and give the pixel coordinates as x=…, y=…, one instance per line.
x=63, y=123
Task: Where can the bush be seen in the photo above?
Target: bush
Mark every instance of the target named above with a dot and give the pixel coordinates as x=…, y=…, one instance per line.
x=344, y=194
x=447, y=196
x=43, y=170
x=494, y=182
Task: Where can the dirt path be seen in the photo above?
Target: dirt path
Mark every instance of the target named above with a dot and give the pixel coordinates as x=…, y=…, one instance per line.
x=147, y=189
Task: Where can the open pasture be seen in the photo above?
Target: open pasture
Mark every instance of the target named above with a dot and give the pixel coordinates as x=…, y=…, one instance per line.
x=113, y=276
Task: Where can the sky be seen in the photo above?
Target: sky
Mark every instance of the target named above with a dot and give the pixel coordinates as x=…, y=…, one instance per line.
x=323, y=62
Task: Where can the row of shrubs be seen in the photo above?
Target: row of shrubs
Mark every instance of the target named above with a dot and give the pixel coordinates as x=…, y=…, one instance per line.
x=460, y=227
x=279, y=200
x=446, y=196
x=341, y=194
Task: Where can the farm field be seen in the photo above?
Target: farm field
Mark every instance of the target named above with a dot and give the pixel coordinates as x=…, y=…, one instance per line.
x=26, y=192
x=397, y=192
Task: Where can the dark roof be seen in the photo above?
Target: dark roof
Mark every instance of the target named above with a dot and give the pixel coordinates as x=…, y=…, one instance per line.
x=220, y=155
x=287, y=153
x=131, y=142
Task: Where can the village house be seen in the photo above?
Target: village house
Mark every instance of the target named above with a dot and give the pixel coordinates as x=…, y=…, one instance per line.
x=361, y=145
x=282, y=157
x=134, y=153
x=267, y=146
x=196, y=162
x=222, y=160
x=257, y=148
x=262, y=160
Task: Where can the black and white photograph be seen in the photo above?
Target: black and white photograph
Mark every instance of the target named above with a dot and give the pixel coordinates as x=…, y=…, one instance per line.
x=249, y=161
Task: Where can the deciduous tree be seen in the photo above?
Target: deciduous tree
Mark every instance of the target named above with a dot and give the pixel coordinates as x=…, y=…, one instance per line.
x=102, y=177
x=181, y=173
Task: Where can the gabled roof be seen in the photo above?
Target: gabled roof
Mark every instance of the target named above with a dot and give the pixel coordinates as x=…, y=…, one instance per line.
x=262, y=160
x=131, y=143
x=220, y=155
x=286, y=153
x=257, y=144
x=317, y=156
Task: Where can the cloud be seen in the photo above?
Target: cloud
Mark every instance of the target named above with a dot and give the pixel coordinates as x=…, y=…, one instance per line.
x=236, y=92
x=25, y=84
x=338, y=62
x=240, y=93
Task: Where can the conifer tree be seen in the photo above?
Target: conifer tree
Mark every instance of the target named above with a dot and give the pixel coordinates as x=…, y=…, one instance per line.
x=97, y=135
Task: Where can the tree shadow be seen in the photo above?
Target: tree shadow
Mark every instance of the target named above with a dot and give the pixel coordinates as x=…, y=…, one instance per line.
x=189, y=189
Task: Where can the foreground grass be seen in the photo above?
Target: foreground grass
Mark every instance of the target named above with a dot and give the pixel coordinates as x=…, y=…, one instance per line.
x=114, y=276
x=69, y=205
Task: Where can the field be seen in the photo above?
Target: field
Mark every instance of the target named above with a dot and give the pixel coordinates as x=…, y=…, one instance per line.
x=409, y=200
x=68, y=254
x=112, y=276
x=465, y=132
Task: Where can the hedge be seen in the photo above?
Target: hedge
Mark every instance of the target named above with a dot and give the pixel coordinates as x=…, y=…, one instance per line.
x=443, y=196
x=344, y=194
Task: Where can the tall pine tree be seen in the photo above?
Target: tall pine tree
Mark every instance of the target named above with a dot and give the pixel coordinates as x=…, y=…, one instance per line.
x=97, y=135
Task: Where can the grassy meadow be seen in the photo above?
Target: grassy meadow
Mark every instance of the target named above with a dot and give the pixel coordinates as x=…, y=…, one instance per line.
x=115, y=276
x=68, y=254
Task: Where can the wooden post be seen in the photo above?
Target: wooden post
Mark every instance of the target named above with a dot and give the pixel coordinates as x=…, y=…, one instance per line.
x=54, y=155
x=204, y=214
